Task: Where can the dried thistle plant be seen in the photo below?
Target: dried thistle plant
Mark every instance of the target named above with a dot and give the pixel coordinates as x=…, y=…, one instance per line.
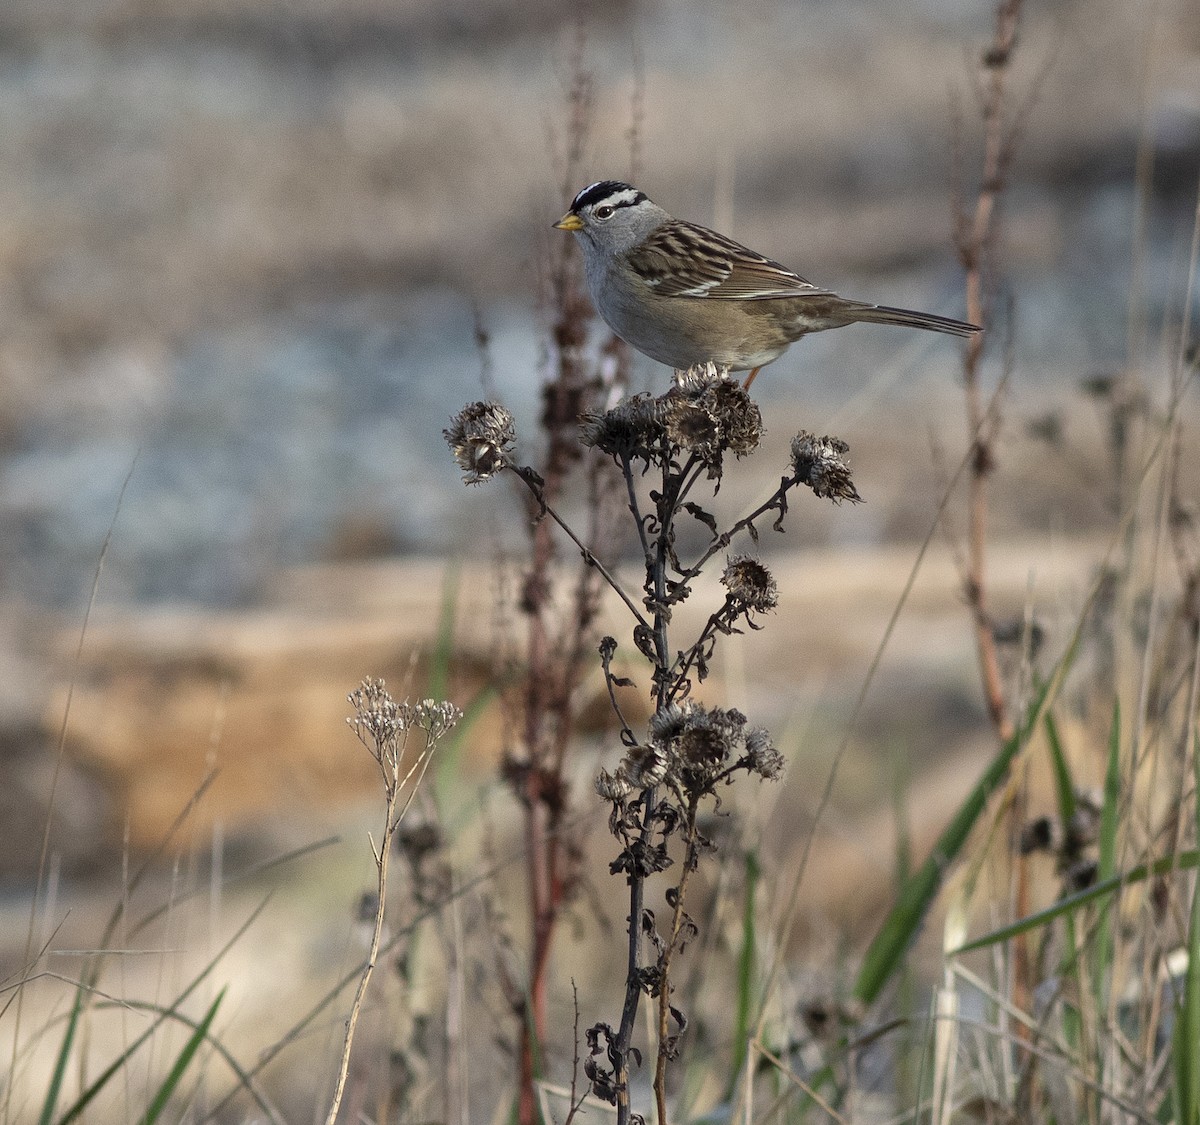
x=681, y=441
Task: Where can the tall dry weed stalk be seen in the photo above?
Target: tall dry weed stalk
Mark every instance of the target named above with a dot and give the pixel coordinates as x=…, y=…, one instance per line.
x=977, y=227
x=976, y=234
x=558, y=600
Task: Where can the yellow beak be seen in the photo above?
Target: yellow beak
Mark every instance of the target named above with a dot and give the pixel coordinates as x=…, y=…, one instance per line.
x=570, y=221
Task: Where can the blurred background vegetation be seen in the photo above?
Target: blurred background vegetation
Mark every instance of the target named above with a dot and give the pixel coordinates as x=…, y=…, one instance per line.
x=255, y=253
x=248, y=240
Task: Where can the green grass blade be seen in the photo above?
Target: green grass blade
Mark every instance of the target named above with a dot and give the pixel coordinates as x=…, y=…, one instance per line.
x=1186, y=1045
x=245, y=1080
x=1110, y=814
x=1184, y=861
x=918, y=892
x=159, y=1102
x=60, y=1063
x=908, y=1071
x=1107, y=869
x=122, y=1060
x=744, y=998
x=447, y=767
x=438, y=681
x=1064, y=781
x=1065, y=793
x=1072, y=1020
x=455, y=800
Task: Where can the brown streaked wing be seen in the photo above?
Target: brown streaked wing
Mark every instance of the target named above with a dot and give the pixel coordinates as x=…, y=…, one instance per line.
x=686, y=260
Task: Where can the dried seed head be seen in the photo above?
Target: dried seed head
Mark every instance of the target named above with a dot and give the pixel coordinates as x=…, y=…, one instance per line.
x=1081, y=874
x=750, y=584
x=761, y=756
x=738, y=416
x=698, y=743
x=612, y=786
x=417, y=841
x=701, y=378
x=1042, y=834
x=481, y=437
x=709, y=414
x=669, y=721
x=434, y=717
x=704, y=413
x=827, y=1020
x=691, y=426
x=1083, y=829
x=644, y=766
x=704, y=745
x=694, y=749
x=628, y=428
x=821, y=464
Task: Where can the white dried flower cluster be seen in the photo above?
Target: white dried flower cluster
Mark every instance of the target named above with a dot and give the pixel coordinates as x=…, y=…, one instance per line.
x=380, y=721
x=434, y=717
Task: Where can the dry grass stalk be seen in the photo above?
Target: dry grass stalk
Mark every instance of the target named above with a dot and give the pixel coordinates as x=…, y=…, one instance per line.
x=383, y=726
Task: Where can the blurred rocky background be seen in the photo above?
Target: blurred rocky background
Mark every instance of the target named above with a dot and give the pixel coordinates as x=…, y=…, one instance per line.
x=246, y=247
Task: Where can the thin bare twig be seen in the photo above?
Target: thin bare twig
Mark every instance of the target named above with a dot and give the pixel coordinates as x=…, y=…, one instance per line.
x=537, y=488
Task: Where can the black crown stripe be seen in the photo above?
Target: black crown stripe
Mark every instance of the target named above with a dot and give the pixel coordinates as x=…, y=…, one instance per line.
x=602, y=190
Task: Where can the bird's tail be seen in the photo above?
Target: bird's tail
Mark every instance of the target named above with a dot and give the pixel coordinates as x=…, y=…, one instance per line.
x=910, y=318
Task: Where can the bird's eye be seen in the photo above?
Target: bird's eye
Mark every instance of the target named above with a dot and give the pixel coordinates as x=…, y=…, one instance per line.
x=604, y=211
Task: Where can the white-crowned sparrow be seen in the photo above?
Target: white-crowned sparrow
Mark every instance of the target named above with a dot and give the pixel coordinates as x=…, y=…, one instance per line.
x=683, y=294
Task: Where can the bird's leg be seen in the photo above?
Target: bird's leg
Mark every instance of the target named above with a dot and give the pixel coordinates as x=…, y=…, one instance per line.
x=750, y=378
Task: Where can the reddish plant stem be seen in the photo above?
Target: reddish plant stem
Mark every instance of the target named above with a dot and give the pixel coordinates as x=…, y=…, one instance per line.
x=558, y=646
x=975, y=238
